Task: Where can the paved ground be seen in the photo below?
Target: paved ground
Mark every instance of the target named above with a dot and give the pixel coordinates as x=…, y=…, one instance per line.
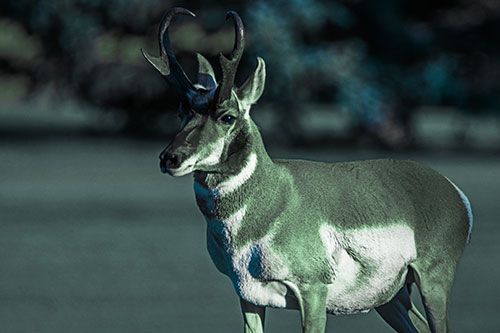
x=94, y=239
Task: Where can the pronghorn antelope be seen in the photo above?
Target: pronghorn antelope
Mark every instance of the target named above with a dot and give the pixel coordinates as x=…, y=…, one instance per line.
x=321, y=238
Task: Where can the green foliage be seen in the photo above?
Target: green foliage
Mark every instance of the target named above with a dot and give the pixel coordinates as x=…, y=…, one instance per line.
x=16, y=44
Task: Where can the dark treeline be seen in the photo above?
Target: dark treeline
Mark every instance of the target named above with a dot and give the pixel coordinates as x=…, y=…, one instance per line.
x=377, y=61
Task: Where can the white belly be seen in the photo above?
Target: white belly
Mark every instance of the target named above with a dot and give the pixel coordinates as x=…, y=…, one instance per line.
x=368, y=265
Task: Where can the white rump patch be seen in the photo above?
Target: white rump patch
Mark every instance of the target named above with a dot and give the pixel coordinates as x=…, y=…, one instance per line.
x=467, y=205
x=234, y=182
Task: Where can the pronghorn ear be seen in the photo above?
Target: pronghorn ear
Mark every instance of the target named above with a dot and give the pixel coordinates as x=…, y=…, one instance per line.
x=206, y=76
x=252, y=89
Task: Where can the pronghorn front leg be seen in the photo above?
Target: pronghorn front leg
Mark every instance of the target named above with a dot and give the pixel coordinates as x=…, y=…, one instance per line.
x=312, y=301
x=254, y=316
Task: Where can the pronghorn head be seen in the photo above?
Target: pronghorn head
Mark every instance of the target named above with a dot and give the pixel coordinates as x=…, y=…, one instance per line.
x=214, y=115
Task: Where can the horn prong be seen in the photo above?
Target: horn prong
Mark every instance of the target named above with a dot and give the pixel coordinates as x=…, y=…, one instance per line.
x=167, y=63
x=160, y=63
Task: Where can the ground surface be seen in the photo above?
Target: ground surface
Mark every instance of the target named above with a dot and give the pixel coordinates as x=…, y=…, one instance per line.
x=94, y=239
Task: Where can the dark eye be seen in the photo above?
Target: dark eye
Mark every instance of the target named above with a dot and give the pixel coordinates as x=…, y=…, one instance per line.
x=227, y=119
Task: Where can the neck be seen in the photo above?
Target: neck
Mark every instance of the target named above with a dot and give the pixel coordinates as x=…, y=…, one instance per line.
x=249, y=158
x=248, y=196
x=239, y=180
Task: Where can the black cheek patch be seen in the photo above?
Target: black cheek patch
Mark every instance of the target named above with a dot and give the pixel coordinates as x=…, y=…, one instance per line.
x=238, y=143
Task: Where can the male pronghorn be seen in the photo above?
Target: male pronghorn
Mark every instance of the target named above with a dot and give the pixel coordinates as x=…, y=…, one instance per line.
x=318, y=237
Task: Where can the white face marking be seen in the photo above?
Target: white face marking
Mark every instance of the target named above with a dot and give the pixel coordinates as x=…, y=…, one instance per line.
x=236, y=181
x=386, y=251
x=194, y=161
x=215, y=155
x=186, y=167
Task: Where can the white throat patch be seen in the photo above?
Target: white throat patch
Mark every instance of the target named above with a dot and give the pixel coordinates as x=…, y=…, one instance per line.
x=234, y=182
x=232, y=223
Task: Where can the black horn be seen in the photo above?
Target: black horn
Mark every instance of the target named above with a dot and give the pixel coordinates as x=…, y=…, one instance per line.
x=167, y=64
x=230, y=66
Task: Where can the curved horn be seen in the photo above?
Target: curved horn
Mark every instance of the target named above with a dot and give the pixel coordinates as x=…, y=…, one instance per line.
x=167, y=64
x=230, y=66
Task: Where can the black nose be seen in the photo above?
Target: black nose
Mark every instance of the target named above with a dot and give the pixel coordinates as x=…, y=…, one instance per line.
x=168, y=161
x=172, y=161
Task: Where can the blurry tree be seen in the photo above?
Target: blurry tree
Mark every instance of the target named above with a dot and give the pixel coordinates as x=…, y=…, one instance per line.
x=376, y=60
x=90, y=49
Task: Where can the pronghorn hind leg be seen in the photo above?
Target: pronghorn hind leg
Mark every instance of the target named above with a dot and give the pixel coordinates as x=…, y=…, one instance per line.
x=435, y=286
x=396, y=312
x=418, y=320
x=416, y=317
x=312, y=302
x=254, y=317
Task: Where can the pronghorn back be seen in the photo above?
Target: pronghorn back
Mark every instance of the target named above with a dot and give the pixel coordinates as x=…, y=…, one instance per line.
x=374, y=191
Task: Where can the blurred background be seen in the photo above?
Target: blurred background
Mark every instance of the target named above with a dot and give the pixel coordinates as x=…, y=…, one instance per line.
x=93, y=238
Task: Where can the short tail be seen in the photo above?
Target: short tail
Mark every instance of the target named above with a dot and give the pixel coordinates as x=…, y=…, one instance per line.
x=468, y=207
